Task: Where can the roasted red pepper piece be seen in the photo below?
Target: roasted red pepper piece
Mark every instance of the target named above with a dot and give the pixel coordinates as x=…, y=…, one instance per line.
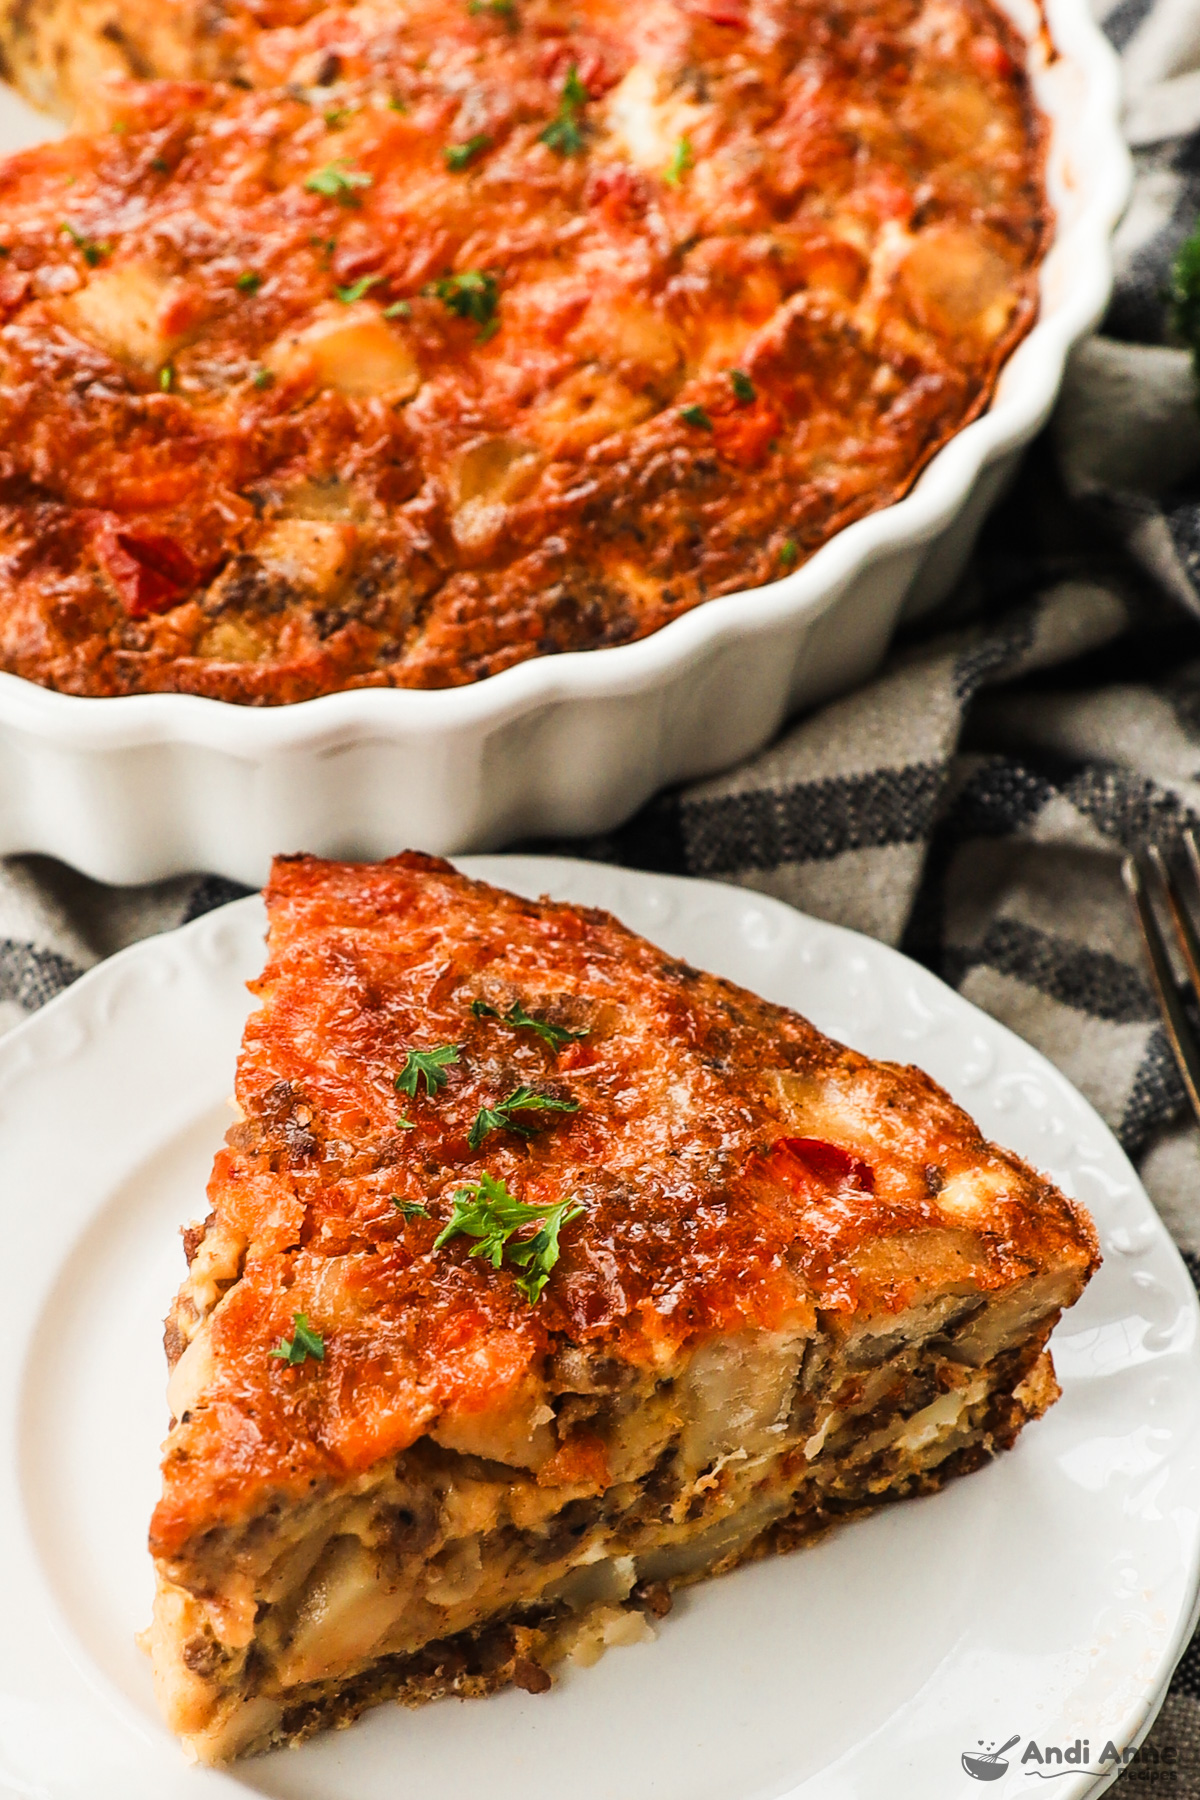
x=828, y=1162
x=151, y=573
x=721, y=12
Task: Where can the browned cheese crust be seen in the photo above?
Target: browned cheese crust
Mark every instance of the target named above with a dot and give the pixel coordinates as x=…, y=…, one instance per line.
x=59, y=53
x=467, y=335
x=799, y=1284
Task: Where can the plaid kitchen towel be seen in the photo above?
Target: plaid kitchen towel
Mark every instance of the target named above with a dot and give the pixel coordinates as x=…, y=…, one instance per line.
x=973, y=802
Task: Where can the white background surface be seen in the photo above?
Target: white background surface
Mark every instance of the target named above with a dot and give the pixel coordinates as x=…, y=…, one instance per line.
x=1048, y=1594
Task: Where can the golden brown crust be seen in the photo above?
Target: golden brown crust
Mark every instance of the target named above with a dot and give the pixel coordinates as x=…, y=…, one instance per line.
x=738, y=1172
x=256, y=448
x=60, y=52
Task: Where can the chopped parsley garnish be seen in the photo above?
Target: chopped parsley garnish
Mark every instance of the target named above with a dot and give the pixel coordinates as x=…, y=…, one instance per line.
x=303, y=1342
x=681, y=161
x=564, y=134
x=249, y=281
x=166, y=378
x=400, y=309
x=696, y=415
x=338, y=181
x=499, y=9
x=500, y=1116
x=516, y=1016
x=160, y=165
x=789, y=550
x=487, y=1211
x=409, y=1209
x=92, y=252
x=263, y=378
x=403, y=1124
x=336, y=116
x=1185, y=295
x=431, y=1064
x=396, y=104
x=356, y=289
x=472, y=295
x=458, y=156
x=742, y=385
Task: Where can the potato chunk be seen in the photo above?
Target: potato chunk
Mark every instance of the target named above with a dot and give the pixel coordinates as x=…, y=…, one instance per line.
x=354, y=351
x=131, y=311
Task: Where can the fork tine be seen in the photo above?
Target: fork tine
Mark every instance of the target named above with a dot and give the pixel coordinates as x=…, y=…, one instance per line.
x=1179, y=1031
x=1193, y=852
x=1185, y=931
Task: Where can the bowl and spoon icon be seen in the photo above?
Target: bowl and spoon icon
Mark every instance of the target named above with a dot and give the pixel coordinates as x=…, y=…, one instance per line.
x=988, y=1765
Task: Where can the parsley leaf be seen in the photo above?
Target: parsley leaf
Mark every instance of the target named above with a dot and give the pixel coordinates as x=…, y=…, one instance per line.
x=166, y=378
x=789, y=550
x=91, y=251
x=399, y=310
x=742, y=385
x=356, y=289
x=487, y=1211
x=249, y=282
x=472, y=295
x=338, y=181
x=696, y=415
x=499, y=9
x=499, y=1117
x=403, y=1124
x=564, y=134
x=263, y=378
x=681, y=161
x=303, y=1342
x=516, y=1016
x=411, y=1209
x=428, y=1063
x=459, y=155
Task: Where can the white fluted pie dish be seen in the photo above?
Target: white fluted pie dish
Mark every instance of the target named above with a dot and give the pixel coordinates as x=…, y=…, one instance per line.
x=129, y=789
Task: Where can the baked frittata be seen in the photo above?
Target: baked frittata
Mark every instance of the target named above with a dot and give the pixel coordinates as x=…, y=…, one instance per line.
x=477, y=332
x=543, y=1273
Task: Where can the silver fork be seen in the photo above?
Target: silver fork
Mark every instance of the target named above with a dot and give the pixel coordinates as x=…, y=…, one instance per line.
x=1134, y=871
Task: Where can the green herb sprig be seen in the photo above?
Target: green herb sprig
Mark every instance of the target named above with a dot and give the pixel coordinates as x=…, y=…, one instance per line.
x=472, y=295
x=357, y=289
x=743, y=388
x=460, y=156
x=409, y=1209
x=564, y=134
x=304, y=1342
x=91, y=250
x=487, y=1211
x=338, y=181
x=429, y=1065
x=516, y=1016
x=696, y=416
x=681, y=161
x=500, y=1117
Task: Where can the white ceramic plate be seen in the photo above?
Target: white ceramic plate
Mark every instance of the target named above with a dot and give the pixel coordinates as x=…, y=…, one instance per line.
x=147, y=785
x=1048, y=1595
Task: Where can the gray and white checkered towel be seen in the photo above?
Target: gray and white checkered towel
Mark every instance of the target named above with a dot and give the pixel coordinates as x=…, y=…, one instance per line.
x=973, y=802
